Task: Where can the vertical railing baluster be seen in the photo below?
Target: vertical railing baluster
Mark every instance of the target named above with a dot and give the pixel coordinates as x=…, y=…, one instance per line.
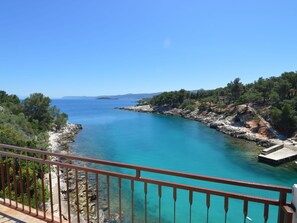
x=145, y=201
x=87, y=195
x=190, y=202
x=97, y=197
x=8, y=181
x=28, y=186
x=68, y=195
x=11, y=171
x=35, y=188
x=160, y=201
x=2, y=179
x=132, y=200
x=266, y=212
x=42, y=188
x=226, y=207
x=21, y=183
x=51, y=192
x=174, y=204
x=108, y=197
x=77, y=197
x=245, y=209
x=15, y=183
x=208, y=206
x=282, y=202
x=59, y=193
x=120, y=198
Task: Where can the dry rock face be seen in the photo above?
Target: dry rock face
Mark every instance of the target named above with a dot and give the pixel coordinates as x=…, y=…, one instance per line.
x=68, y=134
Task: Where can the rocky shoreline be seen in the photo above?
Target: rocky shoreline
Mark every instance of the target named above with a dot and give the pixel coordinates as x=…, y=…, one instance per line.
x=59, y=140
x=59, y=143
x=237, y=121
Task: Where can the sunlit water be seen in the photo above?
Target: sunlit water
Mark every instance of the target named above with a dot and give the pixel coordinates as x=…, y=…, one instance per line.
x=175, y=144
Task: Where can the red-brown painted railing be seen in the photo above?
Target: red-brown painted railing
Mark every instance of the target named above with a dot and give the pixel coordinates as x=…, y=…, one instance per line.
x=39, y=160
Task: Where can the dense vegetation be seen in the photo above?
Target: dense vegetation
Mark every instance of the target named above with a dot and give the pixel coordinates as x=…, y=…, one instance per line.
x=275, y=98
x=26, y=123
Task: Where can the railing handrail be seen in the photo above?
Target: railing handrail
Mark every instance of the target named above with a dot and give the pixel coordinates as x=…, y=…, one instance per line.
x=147, y=180
x=138, y=169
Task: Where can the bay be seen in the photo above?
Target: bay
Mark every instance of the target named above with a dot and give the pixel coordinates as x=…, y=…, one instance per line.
x=175, y=144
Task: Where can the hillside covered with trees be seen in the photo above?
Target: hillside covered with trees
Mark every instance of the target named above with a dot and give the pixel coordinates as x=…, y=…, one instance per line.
x=275, y=98
x=26, y=123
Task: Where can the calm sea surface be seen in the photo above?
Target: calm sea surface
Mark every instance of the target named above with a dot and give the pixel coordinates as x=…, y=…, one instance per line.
x=176, y=144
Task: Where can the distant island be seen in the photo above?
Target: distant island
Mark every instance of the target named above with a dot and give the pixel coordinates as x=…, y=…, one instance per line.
x=107, y=98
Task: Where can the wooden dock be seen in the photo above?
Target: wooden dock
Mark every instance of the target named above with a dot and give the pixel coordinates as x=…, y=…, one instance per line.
x=278, y=154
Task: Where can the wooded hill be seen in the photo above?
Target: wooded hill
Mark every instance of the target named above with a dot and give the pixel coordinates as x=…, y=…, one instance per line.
x=275, y=98
x=26, y=123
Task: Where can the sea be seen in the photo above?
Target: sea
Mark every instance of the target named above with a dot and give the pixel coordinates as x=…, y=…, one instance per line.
x=177, y=144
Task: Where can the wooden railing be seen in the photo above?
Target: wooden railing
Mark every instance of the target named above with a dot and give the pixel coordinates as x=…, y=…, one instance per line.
x=86, y=189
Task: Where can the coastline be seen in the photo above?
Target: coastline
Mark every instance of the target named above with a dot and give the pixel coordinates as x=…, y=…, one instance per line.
x=59, y=140
x=245, y=128
x=59, y=143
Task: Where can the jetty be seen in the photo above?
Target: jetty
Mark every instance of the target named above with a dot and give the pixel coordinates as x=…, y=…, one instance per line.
x=281, y=152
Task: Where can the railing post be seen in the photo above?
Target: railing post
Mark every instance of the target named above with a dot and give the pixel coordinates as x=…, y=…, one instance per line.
x=282, y=202
x=294, y=202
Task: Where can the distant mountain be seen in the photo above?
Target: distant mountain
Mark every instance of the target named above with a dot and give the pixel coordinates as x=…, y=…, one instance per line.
x=123, y=96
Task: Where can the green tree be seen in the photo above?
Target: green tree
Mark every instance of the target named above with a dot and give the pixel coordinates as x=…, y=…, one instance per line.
x=291, y=77
x=249, y=97
x=284, y=119
x=60, y=119
x=10, y=135
x=11, y=102
x=283, y=87
x=236, y=89
x=37, y=107
x=264, y=87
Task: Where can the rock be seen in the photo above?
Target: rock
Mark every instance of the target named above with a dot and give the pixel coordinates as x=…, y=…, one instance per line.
x=92, y=207
x=239, y=121
x=93, y=197
x=56, y=208
x=104, y=207
x=142, y=108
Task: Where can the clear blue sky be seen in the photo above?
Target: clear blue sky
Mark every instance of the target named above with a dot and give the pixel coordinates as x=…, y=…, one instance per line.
x=96, y=47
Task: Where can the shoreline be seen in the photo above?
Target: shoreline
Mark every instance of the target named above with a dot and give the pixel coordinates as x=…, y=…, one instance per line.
x=59, y=143
x=59, y=140
x=241, y=122
x=261, y=133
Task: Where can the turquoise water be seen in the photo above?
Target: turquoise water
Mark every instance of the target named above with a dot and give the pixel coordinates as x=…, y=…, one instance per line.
x=176, y=144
